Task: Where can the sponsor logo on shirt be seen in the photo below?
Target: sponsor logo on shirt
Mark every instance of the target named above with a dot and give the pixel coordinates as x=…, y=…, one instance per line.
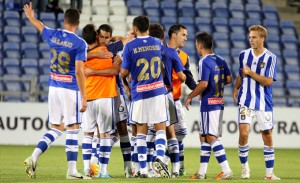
x=148, y=87
x=61, y=78
x=214, y=101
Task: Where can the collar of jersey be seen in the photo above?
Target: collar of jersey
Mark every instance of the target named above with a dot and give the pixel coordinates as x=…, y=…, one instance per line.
x=142, y=37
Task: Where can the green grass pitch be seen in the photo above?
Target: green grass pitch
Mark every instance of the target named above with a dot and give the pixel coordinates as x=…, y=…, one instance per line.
x=52, y=166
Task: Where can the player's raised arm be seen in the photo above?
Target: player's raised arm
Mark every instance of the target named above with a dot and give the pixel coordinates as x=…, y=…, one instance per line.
x=29, y=12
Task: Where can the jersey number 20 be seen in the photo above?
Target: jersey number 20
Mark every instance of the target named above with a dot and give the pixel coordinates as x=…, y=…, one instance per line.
x=144, y=74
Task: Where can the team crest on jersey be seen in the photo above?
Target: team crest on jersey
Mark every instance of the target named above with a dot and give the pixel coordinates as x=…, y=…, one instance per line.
x=243, y=117
x=145, y=41
x=262, y=65
x=64, y=35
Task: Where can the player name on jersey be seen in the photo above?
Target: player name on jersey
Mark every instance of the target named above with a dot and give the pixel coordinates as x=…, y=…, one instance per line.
x=146, y=48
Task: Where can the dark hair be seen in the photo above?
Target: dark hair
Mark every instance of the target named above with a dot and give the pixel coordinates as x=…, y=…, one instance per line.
x=72, y=16
x=205, y=39
x=89, y=34
x=106, y=28
x=175, y=29
x=156, y=30
x=142, y=23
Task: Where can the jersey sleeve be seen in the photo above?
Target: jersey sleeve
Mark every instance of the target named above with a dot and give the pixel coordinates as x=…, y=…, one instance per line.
x=241, y=57
x=115, y=47
x=271, y=68
x=126, y=58
x=204, y=71
x=82, y=52
x=46, y=33
x=190, y=82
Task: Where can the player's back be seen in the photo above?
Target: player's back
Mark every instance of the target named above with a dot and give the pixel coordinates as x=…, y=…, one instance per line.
x=100, y=86
x=214, y=70
x=65, y=48
x=142, y=57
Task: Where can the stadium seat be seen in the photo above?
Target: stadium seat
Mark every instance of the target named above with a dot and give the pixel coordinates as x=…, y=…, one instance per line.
x=11, y=49
x=14, y=86
x=272, y=26
x=151, y=8
x=288, y=27
x=253, y=21
x=119, y=10
x=30, y=34
x=293, y=102
x=235, y=53
x=203, y=9
x=12, y=18
x=291, y=57
x=203, y=24
x=221, y=40
x=279, y=102
x=270, y=12
x=256, y=2
x=154, y=19
x=238, y=40
x=220, y=10
x=237, y=25
x=253, y=11
x=12, y=34
x=134, y=3
x=289, y=42
x=168, y=20
x=221, y=25
x=237, y=10
x=135, y=10
x=47, y=16
x=116, y=3
x=44, y=66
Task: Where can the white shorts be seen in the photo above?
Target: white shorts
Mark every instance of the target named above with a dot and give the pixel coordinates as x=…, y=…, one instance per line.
x=149, y=111
x=180, y=127
x=64, y=106
x=122, y=112
x=101, y=112
x=171, y=109
x=264, y=118
x=211, y=123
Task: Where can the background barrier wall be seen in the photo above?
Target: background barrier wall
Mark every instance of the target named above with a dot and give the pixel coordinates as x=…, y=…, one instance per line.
x=25, y=123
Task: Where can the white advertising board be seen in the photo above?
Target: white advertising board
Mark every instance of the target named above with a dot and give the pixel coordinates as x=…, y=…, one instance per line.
x=26, y=123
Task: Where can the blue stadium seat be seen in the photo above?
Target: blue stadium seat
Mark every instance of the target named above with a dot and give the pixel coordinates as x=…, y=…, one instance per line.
x=237, y=25
x=168, y=20
x=186, y=21
x=44, y=66
x=30, y=34
x=272, y=26
x=1, y=25
x=203, y=9
x=12, y=18
x=256, y=2
x=135, y=10
x=293, y=87
x=224, y=53
x=182, y=4
x=273, y=45
x=237, y=1
x=293, y=76
x=235, y=53
x=221, y=25
x=288, y=27
x=11, y=62
x=47, y=16
x=12, y=34
x=279, y=102
x=253, y=21
x=151, y=8
x=221, y=40
x=291, y=57
x=289, y=42
x=167, y=4
x=189, y=48
x=13, y=86
x=187, y=12
x=203, y=24
x=44, y=46
x=12, y=50
x=270, y=12
x=238, y=40
x=26, y=22
x=28, y=45
x=220, y=10
x=154, y=19
x=293, y=102
x=253, y=11
x=291, y=69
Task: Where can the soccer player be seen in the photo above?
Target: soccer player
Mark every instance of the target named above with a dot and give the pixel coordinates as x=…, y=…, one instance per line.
x=142, y=59
x=171, y=61
x=104, y=39
x=101, y=96
x=67, y=95
x=213, y=73
x=253, y=94
x=177, y=38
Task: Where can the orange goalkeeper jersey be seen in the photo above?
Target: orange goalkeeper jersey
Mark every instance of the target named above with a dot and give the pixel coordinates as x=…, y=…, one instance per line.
x=100, y=86
x=175, y=80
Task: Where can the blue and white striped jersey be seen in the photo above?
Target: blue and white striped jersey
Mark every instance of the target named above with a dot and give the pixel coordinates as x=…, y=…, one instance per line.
x=251, y=93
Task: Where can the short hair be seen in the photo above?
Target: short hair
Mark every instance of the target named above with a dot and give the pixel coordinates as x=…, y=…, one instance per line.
x=72, y=16
x=205, y=39
x=156, y=30
x=106, y=28
x=89, y=34
x=175, y=29
x=142, y=23
x=261, y=29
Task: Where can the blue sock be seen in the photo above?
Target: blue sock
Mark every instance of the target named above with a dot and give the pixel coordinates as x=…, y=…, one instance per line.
x=150, y=148
x=220, y=154
x=104, y=154
x=72, y=150
x=160, y=144
x=142, y=152
x=86, y=151
x=126, y=150
x=204, y=157
x=181, y=149
x=243, y=153
x=174, y=154
x=45, y=142
x=269, y=159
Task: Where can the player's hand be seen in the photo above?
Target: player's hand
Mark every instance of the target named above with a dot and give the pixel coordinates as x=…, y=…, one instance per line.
x=29, y=12
x=117, y=59
x=235, y=95
x=104, y=54
x=84, y=105
x=187, y=102
x=245, y=71
x=130, y=35
x=88, y=71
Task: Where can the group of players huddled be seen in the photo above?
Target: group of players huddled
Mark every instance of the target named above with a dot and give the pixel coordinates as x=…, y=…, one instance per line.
x=88, y=83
